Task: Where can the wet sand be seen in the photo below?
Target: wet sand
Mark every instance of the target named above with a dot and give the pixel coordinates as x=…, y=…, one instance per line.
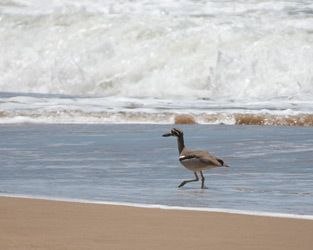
x=31, y=224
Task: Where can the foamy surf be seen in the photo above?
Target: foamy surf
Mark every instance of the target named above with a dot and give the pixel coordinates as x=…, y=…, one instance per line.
x=78, y=117
x=57, y=109
x=232, y=51
x=160, y=62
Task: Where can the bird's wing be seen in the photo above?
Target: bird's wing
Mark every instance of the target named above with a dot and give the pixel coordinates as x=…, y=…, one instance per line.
x=202, y=156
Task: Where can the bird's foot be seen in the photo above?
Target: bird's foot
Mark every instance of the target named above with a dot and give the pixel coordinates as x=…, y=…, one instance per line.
x=204, y=187
x=182, y=184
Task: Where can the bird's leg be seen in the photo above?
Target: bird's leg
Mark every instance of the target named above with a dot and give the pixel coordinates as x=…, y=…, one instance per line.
x=184, y=182
x=202, y=179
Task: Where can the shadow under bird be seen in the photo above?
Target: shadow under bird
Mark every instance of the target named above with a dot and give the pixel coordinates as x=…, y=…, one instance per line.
x=196, y=161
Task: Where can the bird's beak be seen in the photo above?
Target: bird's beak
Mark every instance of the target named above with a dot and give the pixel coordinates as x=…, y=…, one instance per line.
x=167, y=134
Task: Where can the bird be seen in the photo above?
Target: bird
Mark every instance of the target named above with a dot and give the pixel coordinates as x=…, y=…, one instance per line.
x=196, y=161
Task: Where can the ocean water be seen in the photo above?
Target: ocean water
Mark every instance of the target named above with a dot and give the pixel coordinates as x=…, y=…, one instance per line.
x=230, y=62
x=87, y=87
x=271, y=167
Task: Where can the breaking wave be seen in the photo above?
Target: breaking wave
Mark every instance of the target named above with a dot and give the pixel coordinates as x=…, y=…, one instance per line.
x=183, y=62
x=162, y=49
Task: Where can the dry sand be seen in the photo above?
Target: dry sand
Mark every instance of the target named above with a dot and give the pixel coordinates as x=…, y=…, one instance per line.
x=29, y=224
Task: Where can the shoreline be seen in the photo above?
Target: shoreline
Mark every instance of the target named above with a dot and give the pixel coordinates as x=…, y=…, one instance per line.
x=166, y=207
x=45, y=224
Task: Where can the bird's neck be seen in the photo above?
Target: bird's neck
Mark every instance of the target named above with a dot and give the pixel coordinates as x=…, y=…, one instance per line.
x=181, y=144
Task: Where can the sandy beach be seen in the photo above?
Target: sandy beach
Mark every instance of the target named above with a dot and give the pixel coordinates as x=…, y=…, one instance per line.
x=42, y=224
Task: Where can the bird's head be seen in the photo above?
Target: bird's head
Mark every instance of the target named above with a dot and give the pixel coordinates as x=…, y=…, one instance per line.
x=176, y=132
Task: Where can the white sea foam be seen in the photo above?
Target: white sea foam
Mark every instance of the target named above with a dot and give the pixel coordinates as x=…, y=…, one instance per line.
x=165, y=207
x=17, y=108
x=158, y=49
x=104, y=110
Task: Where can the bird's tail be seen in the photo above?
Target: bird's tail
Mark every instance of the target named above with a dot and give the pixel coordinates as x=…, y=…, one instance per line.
x=226, y=165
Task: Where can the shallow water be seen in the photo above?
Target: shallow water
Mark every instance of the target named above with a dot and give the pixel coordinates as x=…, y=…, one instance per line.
x=271, y=167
